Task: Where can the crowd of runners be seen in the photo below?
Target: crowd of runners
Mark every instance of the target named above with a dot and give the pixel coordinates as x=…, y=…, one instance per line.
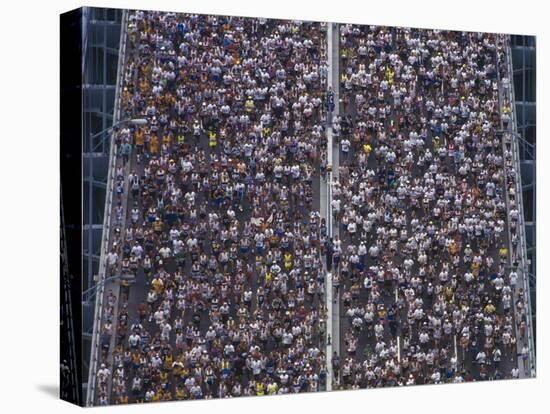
x=423, y=265
x=223, y=280
x=220, y=244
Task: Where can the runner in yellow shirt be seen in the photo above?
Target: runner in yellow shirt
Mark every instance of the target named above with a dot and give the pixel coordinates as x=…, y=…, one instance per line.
x=260, y=388
x=288, y=261
x=367, y=148
x=249, y=105
x=212, y=139
x=180, y=393
x=272, y=388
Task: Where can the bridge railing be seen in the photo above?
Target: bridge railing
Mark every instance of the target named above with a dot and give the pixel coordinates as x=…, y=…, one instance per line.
x=519, y=254
x=107, y=221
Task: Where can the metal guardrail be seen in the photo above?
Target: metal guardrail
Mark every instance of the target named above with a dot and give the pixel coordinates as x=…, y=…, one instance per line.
x=325, y=84
x=106, y=234
x=333, y=73
x=523, y=269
